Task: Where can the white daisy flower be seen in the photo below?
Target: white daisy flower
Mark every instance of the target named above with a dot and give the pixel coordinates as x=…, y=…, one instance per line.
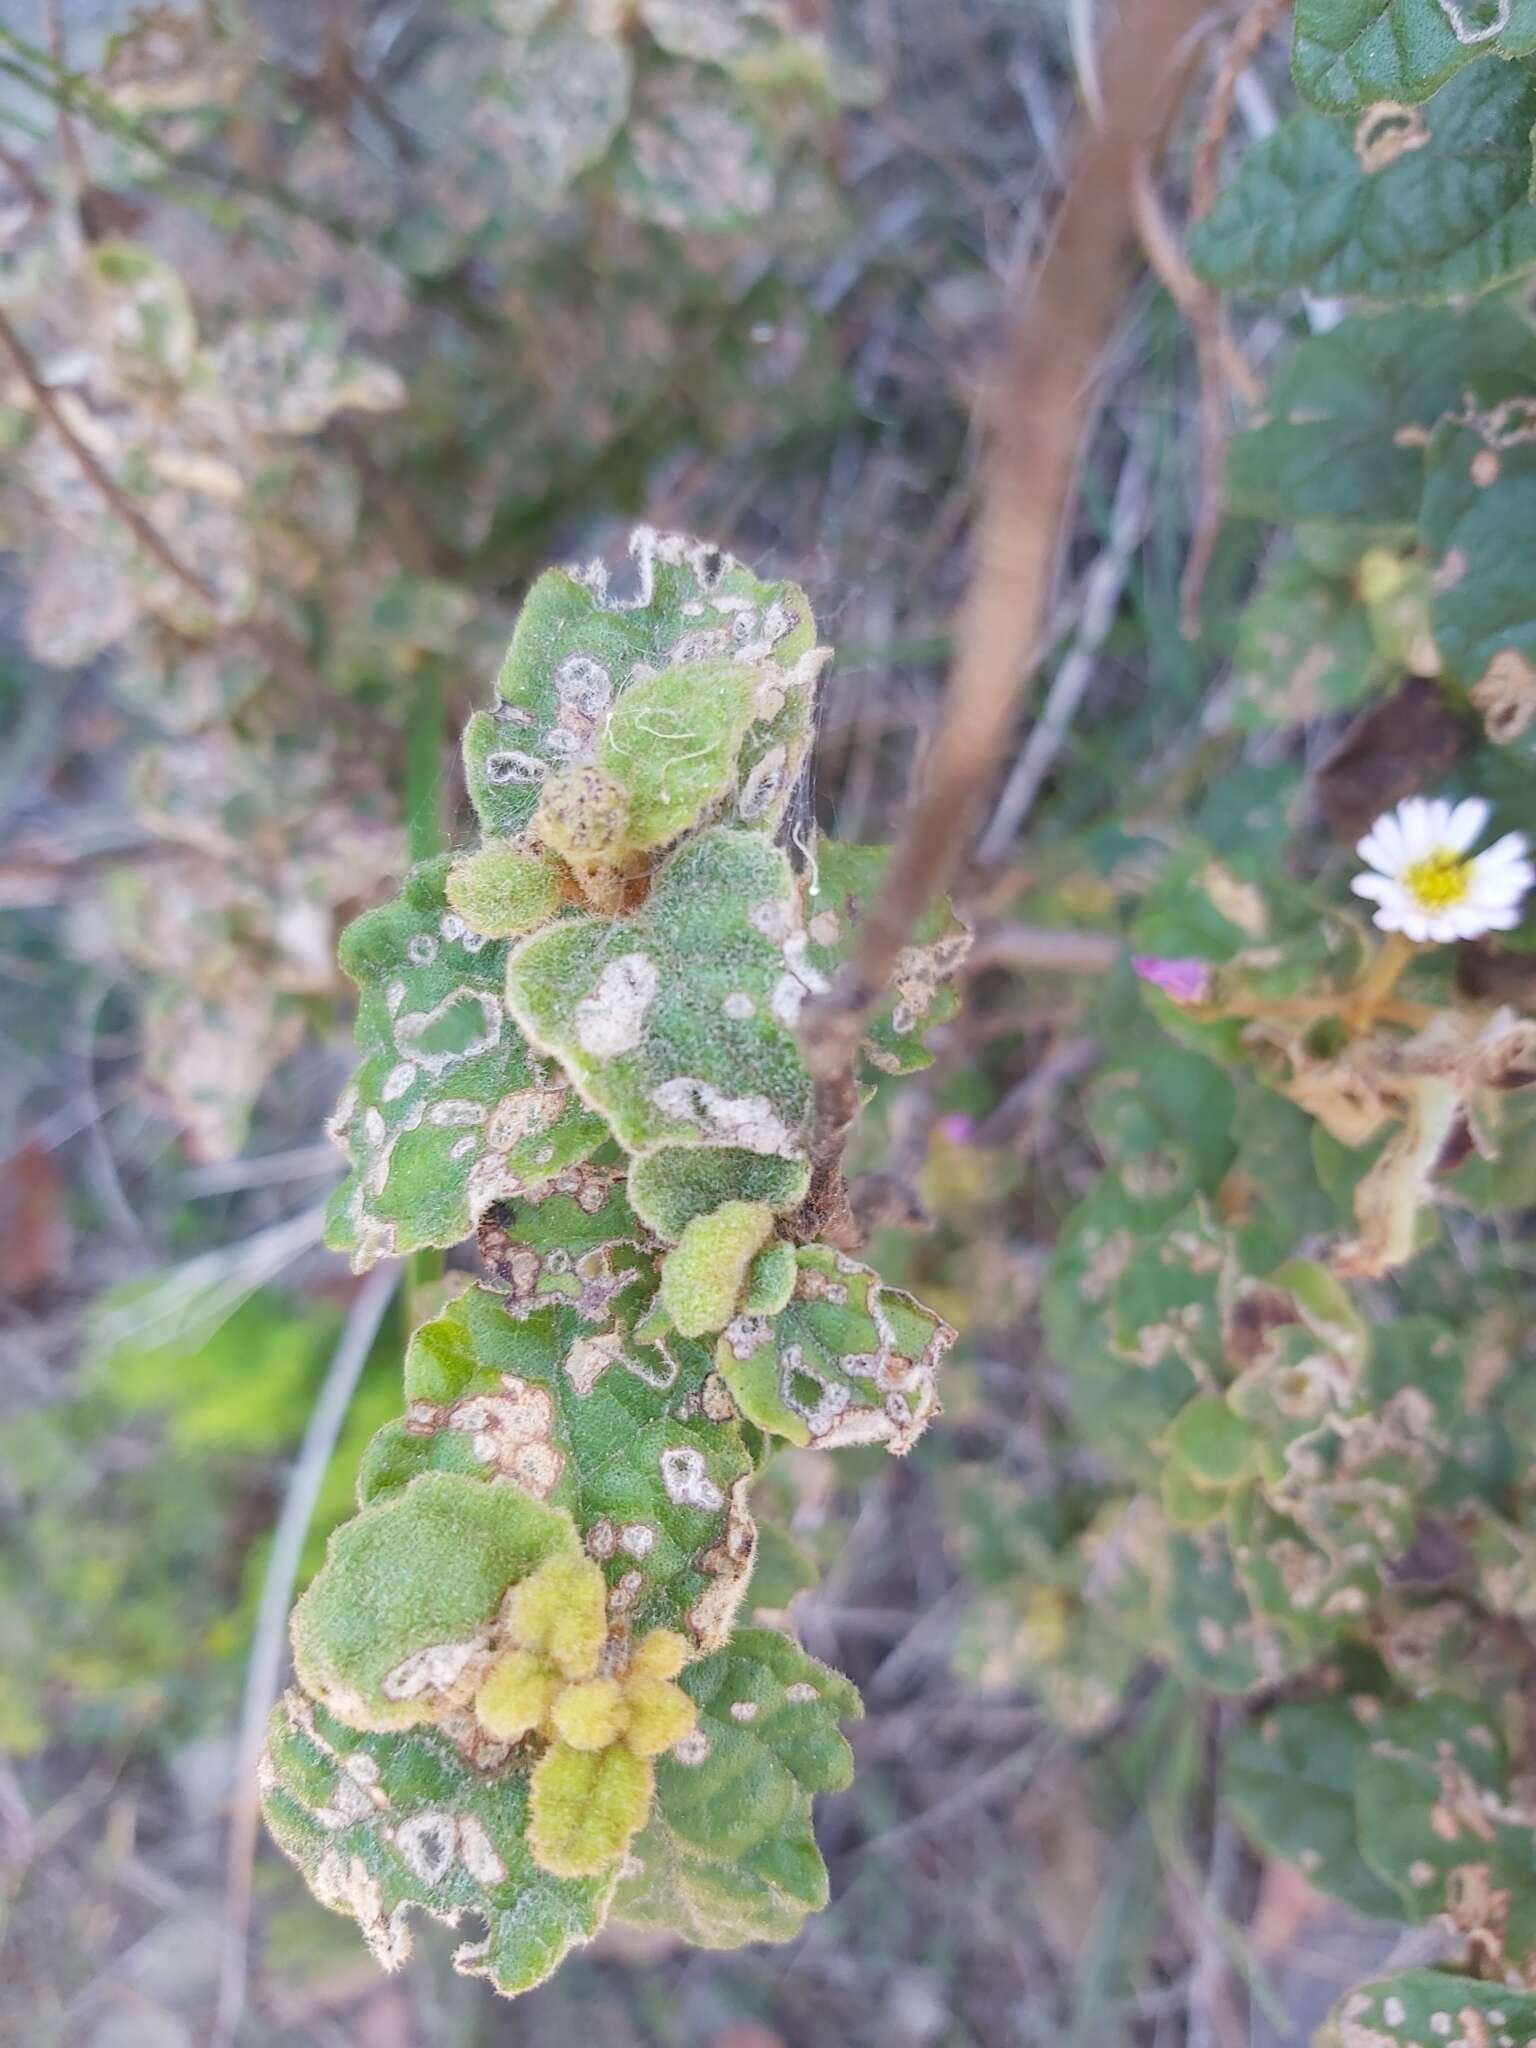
x=1427, y=885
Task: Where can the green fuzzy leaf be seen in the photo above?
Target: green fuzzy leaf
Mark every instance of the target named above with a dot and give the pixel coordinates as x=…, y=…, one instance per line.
x=576, y=652
x=672, y=1186
x=1185, y=1498
x=767, y=1740
x=849, y=1361
x=381, y=1823
x=729, y=1855
x=677, y=1023
x=1419, y=2008
x=724, y=32
x=447, y=1112
x=1479, y=523
x=1304, y=650
x=1291, y=1779
x=1349, y=54
x=1215, y=1446
x=503, y=890
x=1441, y=1823
x=554, y=104
x=771, y=1280
x=1164, y=1120
x=1312, y=1592
x=704, y=1277
x=1348, y=414
x=401, y=1614
x=671, y=745
x=765, y=1895
x=1213, y=1633
x=692, y=157
x=846, y=883
x=636, y=1442
x=1425, y=204
x=1122, y=1400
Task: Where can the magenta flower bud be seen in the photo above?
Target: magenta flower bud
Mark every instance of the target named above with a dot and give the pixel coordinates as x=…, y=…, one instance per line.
x=1181, y=980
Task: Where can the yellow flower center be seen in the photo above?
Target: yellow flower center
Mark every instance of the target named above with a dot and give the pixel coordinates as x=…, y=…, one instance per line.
x=1439, y=881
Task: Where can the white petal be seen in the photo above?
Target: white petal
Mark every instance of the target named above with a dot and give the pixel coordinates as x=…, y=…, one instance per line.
x=1511, y=848
x=1380, y=888
x=1501, y=892
x=1505, y=884
x=1419, y=834
x=1415, y=926
x=1466, y=823
x=1382, y=846
x=1501, y=918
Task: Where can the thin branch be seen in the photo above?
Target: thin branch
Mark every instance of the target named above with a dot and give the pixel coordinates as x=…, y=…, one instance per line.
x=1246, y=41
x=1193, y=297
x=1035, y=418
x=263, y=1676
x=1043, y=949
x=153, y=542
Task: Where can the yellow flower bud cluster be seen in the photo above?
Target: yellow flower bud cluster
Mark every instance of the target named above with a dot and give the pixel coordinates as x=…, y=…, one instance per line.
x=592, y=1790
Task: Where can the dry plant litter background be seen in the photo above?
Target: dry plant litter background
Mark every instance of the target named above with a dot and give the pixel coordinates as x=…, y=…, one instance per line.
x=1193, y=1639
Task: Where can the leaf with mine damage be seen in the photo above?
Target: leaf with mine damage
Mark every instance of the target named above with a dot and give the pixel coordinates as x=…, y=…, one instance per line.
x=1445, y=1823
x=637, y=1442
x=447, y=1112
x=842, y=890
x=847, y=1361
x=673, y=1186
x=399, y=1622
x=677, y=1023
x=1350, y=55
x=1291, y=1779
x=1422, y=203
x=381, y=1823
x=1417, y=2008
x=1348, y=414
x=1479, y=523
x=577, y=650
x=729, y=1855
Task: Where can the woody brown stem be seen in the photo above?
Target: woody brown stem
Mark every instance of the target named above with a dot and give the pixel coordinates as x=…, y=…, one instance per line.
x=1034, y=417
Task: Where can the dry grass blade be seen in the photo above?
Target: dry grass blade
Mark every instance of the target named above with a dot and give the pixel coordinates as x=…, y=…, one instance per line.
x=264, y=1671
x=1101, y=597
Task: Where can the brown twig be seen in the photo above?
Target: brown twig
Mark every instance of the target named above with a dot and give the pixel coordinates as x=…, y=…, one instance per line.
x=1035, y=419
x=1213, y=341
x=1042, y=949
x=153, y=542
x=1194, y=299
x=1246, y=41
